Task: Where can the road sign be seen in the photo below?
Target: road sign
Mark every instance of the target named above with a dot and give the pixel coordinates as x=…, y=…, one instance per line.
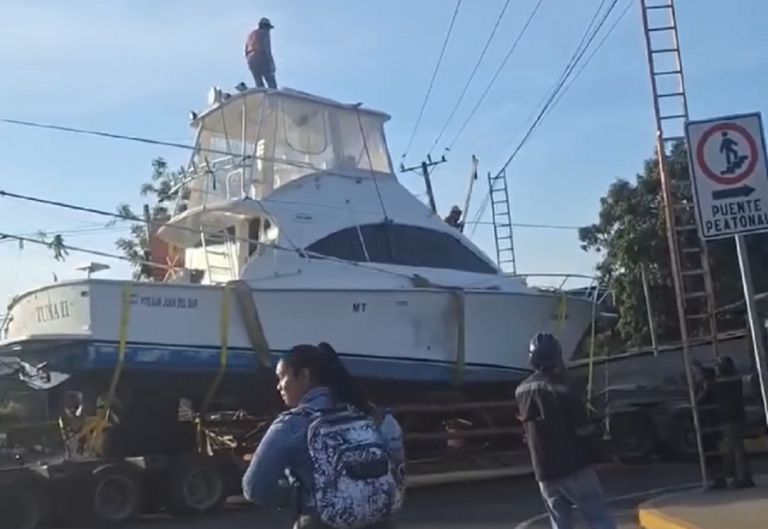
x=730, y=177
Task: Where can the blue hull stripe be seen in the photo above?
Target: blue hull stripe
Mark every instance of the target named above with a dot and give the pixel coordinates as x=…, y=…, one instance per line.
x=103, y=355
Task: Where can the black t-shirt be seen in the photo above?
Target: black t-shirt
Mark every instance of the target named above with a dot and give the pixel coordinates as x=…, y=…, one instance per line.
x=556, y=426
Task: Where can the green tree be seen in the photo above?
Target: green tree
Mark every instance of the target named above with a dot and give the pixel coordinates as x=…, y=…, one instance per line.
x=630, y=235
x=164, y=188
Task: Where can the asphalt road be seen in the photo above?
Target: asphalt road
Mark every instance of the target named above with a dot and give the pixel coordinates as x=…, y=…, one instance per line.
x=493, y=505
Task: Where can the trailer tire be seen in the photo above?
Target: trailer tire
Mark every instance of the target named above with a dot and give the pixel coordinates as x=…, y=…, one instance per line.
x=22, y=506
x=684, y=445
x=116, y=494
x=195, y=485
x=633, y=437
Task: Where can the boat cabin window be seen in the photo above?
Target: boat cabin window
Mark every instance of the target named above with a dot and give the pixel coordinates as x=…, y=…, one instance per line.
x=400, y=244
x=257, y=235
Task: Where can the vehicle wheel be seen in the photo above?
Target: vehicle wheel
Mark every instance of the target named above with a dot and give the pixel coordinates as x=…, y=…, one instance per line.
x=195, y=486
x=684, y=442
x=22, y=506
x=633, y=437
x=116, y=495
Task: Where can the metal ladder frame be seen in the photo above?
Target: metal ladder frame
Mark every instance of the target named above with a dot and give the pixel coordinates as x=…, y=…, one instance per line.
x=695, y=299
x=501, y=215
x=689, y=256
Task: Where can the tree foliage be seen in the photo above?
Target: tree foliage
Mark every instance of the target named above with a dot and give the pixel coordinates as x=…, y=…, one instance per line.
x=630, y=238
x=163, y=189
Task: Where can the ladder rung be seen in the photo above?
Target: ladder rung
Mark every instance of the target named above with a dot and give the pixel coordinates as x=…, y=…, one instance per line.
x=667, y=72
x=670, y=94
x=696, y=316
x=693, y=295
x=697, y=271
x=690, y=250
x=673, y=116
x=666, y=50
x=672, y=139
x=689, y=227
x=662, y=28
x=660, y=6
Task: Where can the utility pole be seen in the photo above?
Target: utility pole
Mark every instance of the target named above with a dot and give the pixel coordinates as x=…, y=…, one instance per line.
x=425, y=167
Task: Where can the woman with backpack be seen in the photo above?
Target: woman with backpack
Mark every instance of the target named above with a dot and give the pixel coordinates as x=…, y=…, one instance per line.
x=343, y=458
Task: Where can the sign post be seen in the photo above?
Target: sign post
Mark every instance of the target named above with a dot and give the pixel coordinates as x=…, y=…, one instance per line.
x=730, y=181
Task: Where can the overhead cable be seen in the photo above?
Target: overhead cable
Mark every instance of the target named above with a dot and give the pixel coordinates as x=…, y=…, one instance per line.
x=432, y=79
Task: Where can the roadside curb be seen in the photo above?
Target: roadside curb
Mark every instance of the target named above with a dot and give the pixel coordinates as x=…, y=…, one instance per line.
x=650, y=516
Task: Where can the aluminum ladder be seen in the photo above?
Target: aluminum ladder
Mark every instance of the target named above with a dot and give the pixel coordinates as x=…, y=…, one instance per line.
x=502, y=221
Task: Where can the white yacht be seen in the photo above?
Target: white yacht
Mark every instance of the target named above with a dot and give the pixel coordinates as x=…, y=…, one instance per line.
x=293, y=228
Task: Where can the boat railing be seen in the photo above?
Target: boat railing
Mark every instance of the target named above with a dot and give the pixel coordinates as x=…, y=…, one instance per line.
x=570, y=285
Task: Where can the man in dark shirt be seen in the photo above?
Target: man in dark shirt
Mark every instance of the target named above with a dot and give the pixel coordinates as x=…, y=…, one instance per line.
x=258, y=54
x=711, y=434
x=561, y=439
x=729, y=395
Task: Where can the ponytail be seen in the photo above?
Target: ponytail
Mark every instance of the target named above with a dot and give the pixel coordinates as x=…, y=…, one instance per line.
x=341, y=382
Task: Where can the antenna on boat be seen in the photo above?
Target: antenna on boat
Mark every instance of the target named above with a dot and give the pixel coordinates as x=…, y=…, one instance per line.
x=426, y=170
x=92, y=268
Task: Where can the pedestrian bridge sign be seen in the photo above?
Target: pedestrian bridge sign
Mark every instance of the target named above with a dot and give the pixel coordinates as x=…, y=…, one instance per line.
x=730, y=178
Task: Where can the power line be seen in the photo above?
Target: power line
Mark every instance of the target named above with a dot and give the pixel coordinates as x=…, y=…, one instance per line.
x=100, y=212
x=590, y=33
x=562, y=80
x=530, y=226
x=471, y=75
x=593, y=53
x=496, y=74
x=432, y=80
x=41, y=235
x=68, y=247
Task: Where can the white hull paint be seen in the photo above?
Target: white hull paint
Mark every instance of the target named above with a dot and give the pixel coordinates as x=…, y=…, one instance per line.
x=404, y=334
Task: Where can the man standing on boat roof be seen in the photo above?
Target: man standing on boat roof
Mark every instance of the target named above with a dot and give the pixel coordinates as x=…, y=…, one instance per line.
x=258, y=54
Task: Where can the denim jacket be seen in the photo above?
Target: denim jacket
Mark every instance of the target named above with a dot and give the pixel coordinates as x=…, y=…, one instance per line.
x=284, y=449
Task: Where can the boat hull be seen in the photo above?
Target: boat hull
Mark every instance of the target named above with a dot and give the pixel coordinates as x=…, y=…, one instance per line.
x=409, y=336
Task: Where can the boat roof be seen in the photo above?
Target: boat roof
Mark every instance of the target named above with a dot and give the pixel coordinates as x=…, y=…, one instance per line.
x=287, y=93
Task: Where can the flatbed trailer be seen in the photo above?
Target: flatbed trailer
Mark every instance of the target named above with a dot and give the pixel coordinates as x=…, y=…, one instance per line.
x=102, y=491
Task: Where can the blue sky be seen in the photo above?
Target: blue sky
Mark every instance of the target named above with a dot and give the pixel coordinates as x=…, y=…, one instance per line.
x=138, y=66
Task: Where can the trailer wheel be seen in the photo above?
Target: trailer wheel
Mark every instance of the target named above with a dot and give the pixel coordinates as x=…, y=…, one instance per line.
x=633, y=437
x=116, y=495
x=195, y=486
x=683, y=440
x=22, y=506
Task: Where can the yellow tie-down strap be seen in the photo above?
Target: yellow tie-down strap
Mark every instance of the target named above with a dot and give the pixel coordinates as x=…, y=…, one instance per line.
x=224, y=341
x=250, y=316
x=95, y=426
